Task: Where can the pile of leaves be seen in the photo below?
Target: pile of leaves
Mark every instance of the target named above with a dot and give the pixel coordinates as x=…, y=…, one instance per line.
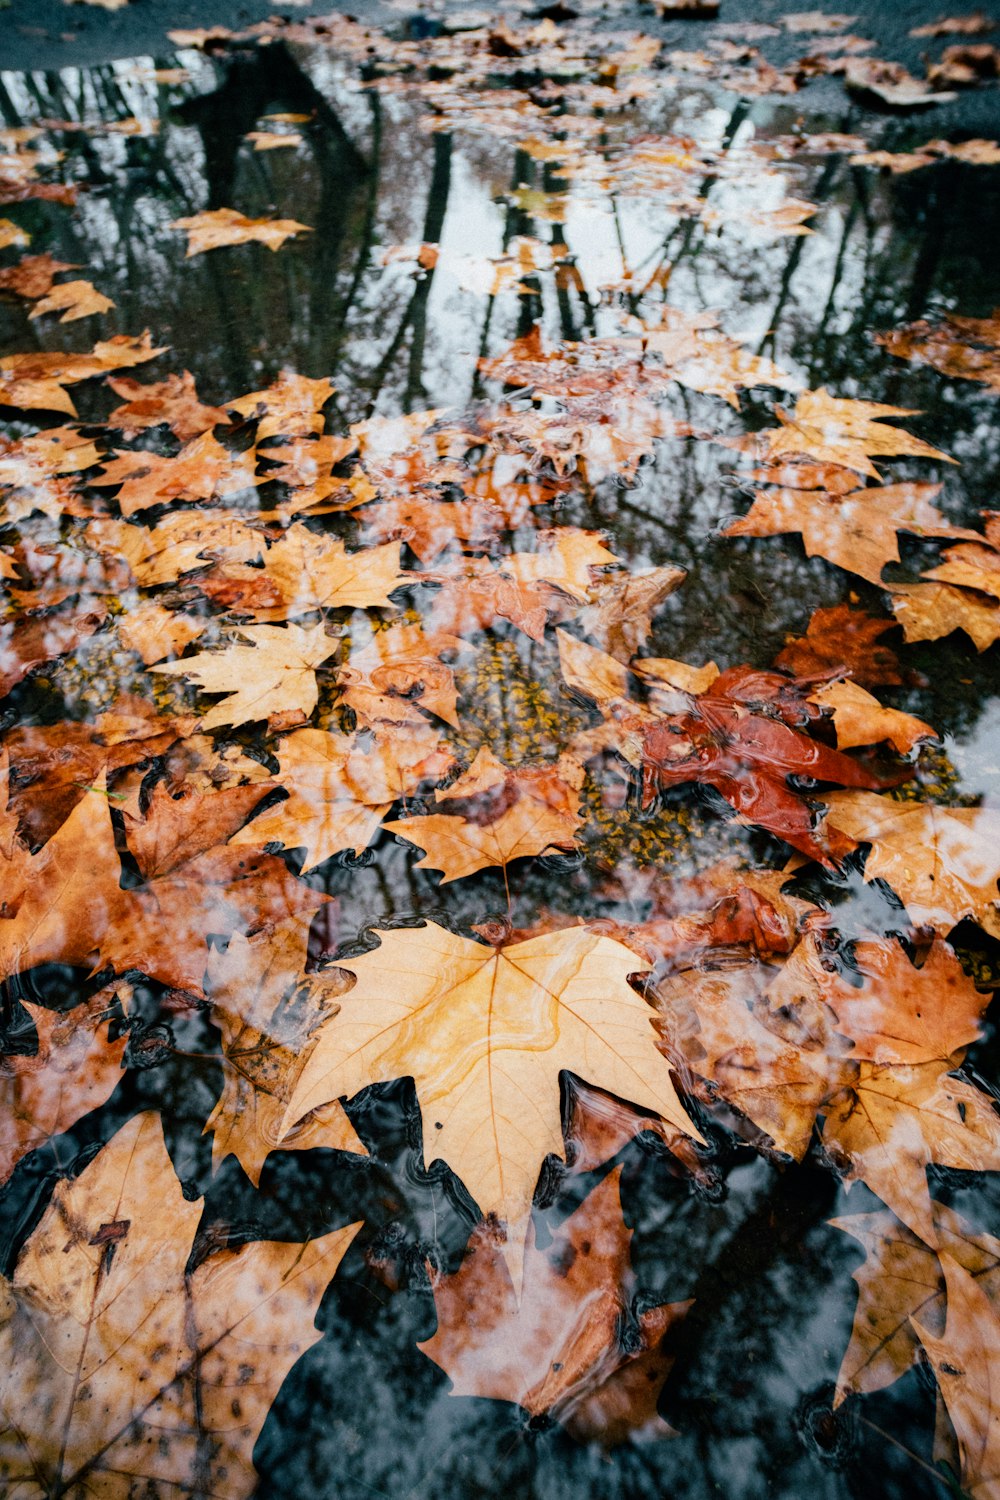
x=295, y=619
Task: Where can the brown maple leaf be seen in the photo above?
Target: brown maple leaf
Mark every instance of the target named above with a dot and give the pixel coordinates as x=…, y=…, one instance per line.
x=30, y=381
x=398, y=676
x=718, y=1024
x=29, y=640
x=830, y=429
x=928, y=611
x=74, y=1069
x=172, y=402
x=429, y=526
x=902, y=1014
x=556, y=1350
x=202, y=470
x=506, y=815
x=748, y=758
x=860, y=719
x=900, y=1280
x=177, y=827
x=857, y=531
x=33, y=275
x=289, y=407
x=963, y=348
x=56, y=763
x=887, y=1127
x=941, y=861
x=121, y=1324
x=155, y=633
x=330, y=806
x=274, y=674
x=304, y=572
x=842, y=640
x=268, y=1010
x=74, y=299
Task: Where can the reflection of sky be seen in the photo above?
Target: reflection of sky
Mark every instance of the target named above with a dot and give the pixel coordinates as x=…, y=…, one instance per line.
x=976, y=753
x=236, y=317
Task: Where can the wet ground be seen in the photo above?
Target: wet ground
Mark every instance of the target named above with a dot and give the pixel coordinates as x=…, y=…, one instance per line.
x=364, y=1413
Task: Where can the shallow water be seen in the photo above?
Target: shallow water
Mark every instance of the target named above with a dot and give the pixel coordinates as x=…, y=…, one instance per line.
x=365, y=1412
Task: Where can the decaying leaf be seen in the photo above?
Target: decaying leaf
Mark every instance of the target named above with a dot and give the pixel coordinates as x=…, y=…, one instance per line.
x=75, y=1068
x=268, y=1010
x=100, y=1317
x=901, y=1280
x=964, y=1363
x=830, y=429
x=556, y=1350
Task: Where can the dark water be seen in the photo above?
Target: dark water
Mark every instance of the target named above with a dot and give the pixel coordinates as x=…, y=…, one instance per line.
x=364, y=1413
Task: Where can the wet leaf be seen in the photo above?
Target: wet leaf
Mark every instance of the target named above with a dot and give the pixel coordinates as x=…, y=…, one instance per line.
x=556, y=1349
x=274, y=674
x=102, y=1317
x=939, y=860
x=216, y=228
x=496, y=1026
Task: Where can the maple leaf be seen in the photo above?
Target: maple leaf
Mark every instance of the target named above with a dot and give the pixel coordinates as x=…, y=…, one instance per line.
x=964, y=1364
x=290, y=406
x=56, y=763
x=398, y=673
x=304, y=572
x=830, y=429
x=556, y=1350
x=33, y=275
x=27, y=641
x=507, y=815
x=274, y=674
x=748, y=758
x=857, y=531
x=180, y=543
x=496, y=1026
x=74, y=299
x=173, y=402
x=102, y=1317
x=326, y=810
x=30, y=381
x=202, y=470
x=893, y=1121
x=215, y=228
x=940, y=861
x=901, y=1014
x=890, y=83
x=966, y=348
x=268, y=1010
x=180, y=826
x=154, y=632
x=971, y=566
x=860, y=719
x=474, y=598
x=842, y=639
x=619, y=616
x=429, y=526
x=10, y=234
x=715, y=1025
x=900, y=1279
x=162, y=927
x=74, y=1069
x=928, y=611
